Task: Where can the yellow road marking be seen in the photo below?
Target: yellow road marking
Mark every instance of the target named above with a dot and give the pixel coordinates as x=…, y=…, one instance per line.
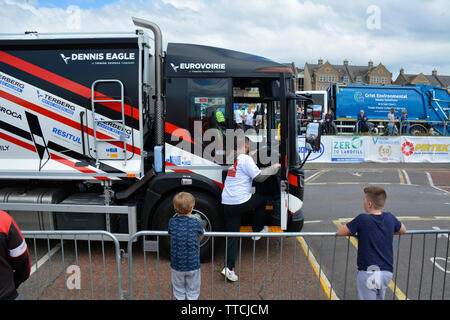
x=323, y=279
x=400, y=295
x=312, y=260
x=400, y=175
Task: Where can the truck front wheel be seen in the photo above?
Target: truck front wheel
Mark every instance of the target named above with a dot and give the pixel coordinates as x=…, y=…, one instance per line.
x=207, y=210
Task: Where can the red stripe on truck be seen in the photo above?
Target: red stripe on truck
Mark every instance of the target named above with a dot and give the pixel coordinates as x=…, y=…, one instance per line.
x=64, y=83
x=17, y=142
x=76, y=125
x=53, y=156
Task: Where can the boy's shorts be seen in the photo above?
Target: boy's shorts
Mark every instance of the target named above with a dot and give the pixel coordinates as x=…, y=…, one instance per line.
x=372, y=285
x=186, y=284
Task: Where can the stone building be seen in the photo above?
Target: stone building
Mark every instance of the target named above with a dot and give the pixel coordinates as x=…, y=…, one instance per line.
x=434, y=79
x=321, y=75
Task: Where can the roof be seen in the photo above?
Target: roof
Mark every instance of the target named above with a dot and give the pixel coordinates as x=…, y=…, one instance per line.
x=351, y=71
x=197, y=60
x=437, y=80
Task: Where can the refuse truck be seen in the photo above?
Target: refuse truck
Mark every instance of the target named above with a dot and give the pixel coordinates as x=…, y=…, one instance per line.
x=99, y=131
x=426, y=106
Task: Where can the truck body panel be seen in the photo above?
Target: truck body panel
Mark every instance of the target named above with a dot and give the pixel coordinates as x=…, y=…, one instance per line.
x=424, y=104
x=110, y=122
x=49, y=124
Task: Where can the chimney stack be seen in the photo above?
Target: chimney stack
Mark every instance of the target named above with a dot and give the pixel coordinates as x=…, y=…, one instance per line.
x=370, y=64
x=345, y=62
x=434, y=72
x=320, y=61
x=402, y=71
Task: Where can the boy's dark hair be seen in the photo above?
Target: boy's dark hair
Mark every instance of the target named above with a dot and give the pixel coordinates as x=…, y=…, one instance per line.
x=376, y=195
x=183, y=203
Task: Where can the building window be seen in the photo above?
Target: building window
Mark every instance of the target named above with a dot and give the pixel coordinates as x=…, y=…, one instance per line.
x=345, y=79
x=384, y=80
x=300, y=83
x=375, y=79
x=322, y=78
x=358, y=79
x=331, y=78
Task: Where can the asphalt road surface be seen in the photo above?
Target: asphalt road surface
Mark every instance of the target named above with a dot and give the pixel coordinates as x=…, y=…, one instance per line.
x=418, y=196
x=309, y=267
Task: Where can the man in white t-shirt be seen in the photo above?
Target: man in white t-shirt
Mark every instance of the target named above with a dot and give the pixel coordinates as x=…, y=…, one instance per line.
x=238, y=117
x=249, y=119
x=237, y=200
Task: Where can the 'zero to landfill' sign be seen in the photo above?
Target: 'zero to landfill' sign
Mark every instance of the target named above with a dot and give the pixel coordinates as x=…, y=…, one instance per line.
x=348, y=149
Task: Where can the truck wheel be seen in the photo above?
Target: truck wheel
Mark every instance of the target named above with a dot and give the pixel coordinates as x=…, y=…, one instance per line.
x=207, y=210
x=417, y=129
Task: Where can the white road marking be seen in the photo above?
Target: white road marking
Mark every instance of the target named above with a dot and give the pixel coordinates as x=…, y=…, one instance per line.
x=430, y=180
x=445, y=235
x=313, y=221
x=408, y=181
x=44, y=259
x=433, y=261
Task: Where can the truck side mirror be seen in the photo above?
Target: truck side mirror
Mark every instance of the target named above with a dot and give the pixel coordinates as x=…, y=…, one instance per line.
x=313, y=132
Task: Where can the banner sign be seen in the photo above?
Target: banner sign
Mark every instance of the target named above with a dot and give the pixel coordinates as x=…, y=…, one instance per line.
x=317, y=156
x=348, y=149
x=378, y=149
x=383, y=149
x=425, y=149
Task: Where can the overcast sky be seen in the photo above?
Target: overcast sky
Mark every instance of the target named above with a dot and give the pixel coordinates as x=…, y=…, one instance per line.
x=413, y=34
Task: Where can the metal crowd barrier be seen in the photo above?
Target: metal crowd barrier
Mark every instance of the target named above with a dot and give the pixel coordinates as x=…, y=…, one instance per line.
x=68, y=265
x=288, y=266
x=380, y=126
x=293, y=266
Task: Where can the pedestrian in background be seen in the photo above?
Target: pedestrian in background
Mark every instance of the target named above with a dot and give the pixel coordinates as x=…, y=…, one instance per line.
x=249, y=119
x=391, y=123
x=14, y=258
x=404, y=122
x=375, y=231
x=186, y=232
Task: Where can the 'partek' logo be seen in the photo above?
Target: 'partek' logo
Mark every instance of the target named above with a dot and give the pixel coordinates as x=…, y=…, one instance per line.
x=407, y=148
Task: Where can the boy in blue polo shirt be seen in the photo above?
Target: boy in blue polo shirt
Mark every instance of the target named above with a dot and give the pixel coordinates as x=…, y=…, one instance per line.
x=186, y=233
x=375, y=231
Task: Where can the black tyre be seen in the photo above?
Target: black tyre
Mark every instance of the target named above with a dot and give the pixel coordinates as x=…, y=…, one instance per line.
x=417, y=129
x=207, y=210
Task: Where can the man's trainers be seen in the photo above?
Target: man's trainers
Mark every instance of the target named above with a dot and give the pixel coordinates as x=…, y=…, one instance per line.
x=265, y=229
x=229, y=274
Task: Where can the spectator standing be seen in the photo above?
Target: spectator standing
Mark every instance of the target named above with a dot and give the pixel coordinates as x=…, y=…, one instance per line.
x=238, y=117
x=329, y=123
x=185, y=232
x=375, y=231
x=361, y=120
x=249, y=119
x=14, y=258
x=391, y=123
x=404, y=122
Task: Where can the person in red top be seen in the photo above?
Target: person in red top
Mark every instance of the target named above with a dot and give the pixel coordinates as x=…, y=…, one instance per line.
x=14, y=258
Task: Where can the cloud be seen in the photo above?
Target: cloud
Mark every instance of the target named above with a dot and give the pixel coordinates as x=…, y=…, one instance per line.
x=414, y=34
